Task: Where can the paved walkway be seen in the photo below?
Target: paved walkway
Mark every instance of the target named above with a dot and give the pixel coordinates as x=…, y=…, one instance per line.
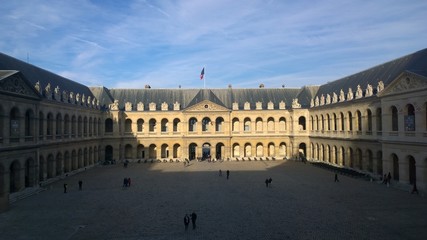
x=302, y=203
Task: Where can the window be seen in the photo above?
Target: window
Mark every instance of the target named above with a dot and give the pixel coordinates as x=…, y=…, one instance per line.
x=394, y=119
x=108, y=125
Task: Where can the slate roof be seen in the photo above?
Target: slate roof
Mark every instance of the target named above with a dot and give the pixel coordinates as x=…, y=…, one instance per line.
x=190, y=97
x=386, y=72
x=34, y=74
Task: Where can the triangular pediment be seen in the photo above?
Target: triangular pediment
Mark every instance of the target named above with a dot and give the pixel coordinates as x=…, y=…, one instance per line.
x=405, y=83
x=14, y=82
x=206, y=106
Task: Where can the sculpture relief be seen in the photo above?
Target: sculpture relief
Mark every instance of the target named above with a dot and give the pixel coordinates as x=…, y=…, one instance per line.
x=152, y=106
x=164, y=106
x=48, y=92
x=334, y=98
x=270, y=105
x=247, y=106
x=359, y=92
x=258, y=105
x=57, y=94
x=369, y=91
x=128, y=106
x=72, y=99
x=176, y=106
x=350, y=94
x=282, y=105
x=380, y=86
x=295, y=103
x=342, y=96
x=65, y=96
x=235, y=106
x=328, y=98
x=114, y=105
x=37, y=86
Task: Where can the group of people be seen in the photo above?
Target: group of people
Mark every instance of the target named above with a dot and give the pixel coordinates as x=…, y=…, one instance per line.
x=268, y=182
x=80, y=186
x=126, y=182
x=387, y=179
x=187, y=220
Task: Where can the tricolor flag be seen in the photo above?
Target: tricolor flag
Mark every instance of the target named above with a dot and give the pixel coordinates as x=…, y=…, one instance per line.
x=202, y=74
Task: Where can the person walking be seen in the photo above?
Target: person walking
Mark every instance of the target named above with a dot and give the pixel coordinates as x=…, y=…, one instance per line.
x=65, y=188
x=228, y=174
x=193, y=219
x=220, y=172
x=269, y=181
x=186, y=221
x=80, y=185
x=266, y=182
x=336, y=178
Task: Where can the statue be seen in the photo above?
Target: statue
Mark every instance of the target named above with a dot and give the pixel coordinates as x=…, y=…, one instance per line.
x=114, y=105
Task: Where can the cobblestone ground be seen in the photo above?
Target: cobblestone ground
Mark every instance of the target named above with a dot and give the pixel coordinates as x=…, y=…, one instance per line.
x=302, y=203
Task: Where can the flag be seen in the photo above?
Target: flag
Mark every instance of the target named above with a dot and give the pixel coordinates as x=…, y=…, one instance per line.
x=202, y=74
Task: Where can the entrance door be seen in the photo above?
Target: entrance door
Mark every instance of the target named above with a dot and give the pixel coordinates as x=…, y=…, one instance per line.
x=206, y=151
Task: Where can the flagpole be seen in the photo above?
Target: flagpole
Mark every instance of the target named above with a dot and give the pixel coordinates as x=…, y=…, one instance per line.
x=204, y=78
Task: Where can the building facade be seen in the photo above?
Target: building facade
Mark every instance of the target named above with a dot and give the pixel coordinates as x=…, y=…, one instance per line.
x=374, y=121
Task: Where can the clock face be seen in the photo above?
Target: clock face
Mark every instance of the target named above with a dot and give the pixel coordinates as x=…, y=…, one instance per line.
x=206, y=106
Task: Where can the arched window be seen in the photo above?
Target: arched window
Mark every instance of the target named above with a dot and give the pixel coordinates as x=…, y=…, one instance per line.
x=301, y=123
x=164, y=124
x=176, y=125
x=410, y=118
x=140, y=125
x=58, y=128
x=236, y=125
x=282, y=124
x=206, y=122
x=328, y=122
x=350, y=121
x=369, y=120
x=73, y=126
x=41, y=125
x=85, y=126
x=49, y=127
x=192, y=124
x=335, y=125
x=128, y=126
x=29, y=128
x=108, y=125
x=247, y=125
x=394, y=119
x=66, y=125
x=379, y=119
x=258, y=125
x=152, y=125
x=359, y=120
x=219, y=124
x=14, y=125
x=270, y=124
x=342, y=122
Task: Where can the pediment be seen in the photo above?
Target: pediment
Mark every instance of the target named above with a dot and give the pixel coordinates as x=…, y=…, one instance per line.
x=404, y=83
x=206, y=106
x=14, y=82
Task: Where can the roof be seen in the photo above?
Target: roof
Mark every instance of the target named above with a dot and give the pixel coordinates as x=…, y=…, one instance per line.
x=386, y=72
x=35, y=74
x=190, y=97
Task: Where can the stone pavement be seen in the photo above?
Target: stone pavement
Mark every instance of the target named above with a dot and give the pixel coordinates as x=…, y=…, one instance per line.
x=302, y=203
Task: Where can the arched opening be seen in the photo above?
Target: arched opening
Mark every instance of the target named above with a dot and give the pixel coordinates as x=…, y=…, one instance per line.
x=192, y=124
x=140, y=151
x=236, y=150
x=395, y=160
x=380, y=163
x=176, y=151
x=29, y=128
x=176, y=125
x=206, y=151
x=67, y=162
x=152, y=151
x=42, y=169
x=59, y=167
x=259, y=150
x=370, y=164
x=2, y=178
x=192, y=151
x=248, y=150
x=165, y=125
x=394, y=119
x=50, y=166
x=108, y=125
x=359, y=159
x=74, y=163
x=302, y=150
x=236, y=125
x=258, y=124
x=271, y=152
x=282, y=124
x=80, y=159
x=108, y=153
x=15, y=176
x=140, y=125
x=206, y=122
x=219, y=122
x=29, y=172
x=219, y=150
x=128, y=151
x=410, y=118
x=282, y=150
x=58, y=128
x=164, y=151
x=247, y=125
x=14, y=125
x=359, y=120
x=301, y=123
x=152, y=125
x=369, y=120
x=128, y=126
x=379, y=118
x=350, y=157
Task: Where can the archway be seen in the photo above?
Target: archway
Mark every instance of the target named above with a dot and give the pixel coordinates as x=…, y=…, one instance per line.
x=15, y=173
x=219, y=150
x=108, y=153
x=302, y=150
x=395, y=167
x=206, y=151
x=192, y=151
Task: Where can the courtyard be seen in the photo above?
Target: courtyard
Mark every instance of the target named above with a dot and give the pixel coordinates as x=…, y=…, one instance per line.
x=303, y=202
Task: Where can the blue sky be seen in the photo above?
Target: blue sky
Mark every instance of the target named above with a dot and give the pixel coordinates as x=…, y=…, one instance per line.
x=166, y=43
